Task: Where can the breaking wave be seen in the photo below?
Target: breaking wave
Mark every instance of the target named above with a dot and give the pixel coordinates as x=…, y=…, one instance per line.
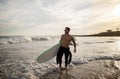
x=20, y=39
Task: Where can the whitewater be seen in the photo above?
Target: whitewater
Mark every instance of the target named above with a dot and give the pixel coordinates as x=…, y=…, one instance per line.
x=96, y=55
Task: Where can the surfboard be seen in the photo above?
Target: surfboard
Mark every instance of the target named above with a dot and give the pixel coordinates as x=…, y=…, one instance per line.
x=48, y=54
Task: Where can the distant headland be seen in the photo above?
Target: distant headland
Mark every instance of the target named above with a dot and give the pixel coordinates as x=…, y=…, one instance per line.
x=107, y=33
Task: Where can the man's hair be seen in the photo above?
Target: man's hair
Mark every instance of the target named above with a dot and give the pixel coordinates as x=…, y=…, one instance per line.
x=67, y=28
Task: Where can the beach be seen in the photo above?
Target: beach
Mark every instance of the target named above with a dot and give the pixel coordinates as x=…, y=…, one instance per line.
x=96, y=58
x=101, y=69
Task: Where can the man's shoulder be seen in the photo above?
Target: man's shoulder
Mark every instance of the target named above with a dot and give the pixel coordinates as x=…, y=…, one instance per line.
x=71, y=36
x=62, y=34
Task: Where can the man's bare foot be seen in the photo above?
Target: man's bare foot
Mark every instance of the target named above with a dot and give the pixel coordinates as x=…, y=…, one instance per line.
x=65, y=68
x=61, y=68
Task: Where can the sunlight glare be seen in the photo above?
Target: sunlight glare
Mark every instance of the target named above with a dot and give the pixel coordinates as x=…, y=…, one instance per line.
x=118, y=44
x=116, y=10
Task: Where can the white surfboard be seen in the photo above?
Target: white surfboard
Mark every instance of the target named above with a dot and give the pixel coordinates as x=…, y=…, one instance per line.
x=48, y=54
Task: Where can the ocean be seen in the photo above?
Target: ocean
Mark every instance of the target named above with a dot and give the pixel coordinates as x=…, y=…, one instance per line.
x=18, y=56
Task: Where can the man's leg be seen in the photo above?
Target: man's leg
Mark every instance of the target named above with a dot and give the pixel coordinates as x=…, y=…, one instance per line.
x=66, y=58
x=59, y=57
x=70, y=57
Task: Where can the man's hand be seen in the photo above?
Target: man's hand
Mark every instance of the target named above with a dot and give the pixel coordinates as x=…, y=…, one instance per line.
x=74, y=50
x=74, y=44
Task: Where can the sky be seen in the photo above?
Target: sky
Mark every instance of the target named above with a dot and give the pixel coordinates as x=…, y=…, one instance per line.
x=50, y=17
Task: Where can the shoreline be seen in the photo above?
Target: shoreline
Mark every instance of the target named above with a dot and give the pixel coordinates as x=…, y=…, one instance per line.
x=99, y=69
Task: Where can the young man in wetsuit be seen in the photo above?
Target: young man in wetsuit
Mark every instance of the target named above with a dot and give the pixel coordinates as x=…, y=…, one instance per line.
x=64, y=48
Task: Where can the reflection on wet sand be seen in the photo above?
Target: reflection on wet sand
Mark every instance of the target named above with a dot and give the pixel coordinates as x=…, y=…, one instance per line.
x=65, y=75
x=101, y=69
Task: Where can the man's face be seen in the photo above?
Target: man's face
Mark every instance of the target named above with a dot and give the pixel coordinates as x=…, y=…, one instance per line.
x=66, y=31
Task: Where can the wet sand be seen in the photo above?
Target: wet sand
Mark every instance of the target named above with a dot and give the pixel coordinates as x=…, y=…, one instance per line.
x=100, y=69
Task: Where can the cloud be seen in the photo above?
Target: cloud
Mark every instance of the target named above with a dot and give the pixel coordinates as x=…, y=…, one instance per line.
x=43, y=15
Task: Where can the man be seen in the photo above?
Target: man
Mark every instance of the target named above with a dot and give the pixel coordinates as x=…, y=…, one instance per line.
x=64, y=48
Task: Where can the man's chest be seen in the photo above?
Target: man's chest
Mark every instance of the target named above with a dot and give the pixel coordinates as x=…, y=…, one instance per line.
x=66, y=38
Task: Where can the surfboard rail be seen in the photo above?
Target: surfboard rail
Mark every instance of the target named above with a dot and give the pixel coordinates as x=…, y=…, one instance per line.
x=48, y=54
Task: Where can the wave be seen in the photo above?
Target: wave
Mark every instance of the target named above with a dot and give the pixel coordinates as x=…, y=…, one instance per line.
x=87, y=59
x=40, y=38
x=14, y=39
x=21, y=39
x=99, y=42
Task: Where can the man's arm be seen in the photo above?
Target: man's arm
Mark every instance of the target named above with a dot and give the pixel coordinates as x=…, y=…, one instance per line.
x=73, y=40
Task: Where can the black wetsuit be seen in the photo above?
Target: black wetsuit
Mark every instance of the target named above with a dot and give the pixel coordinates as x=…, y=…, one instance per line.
x=68, y=55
